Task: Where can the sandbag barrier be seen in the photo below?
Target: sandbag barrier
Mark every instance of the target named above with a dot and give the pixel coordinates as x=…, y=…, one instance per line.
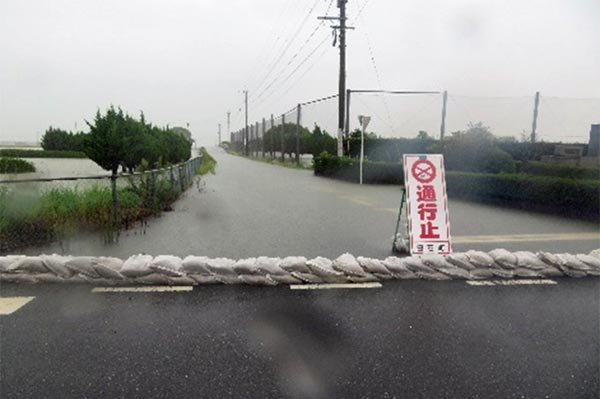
x=195, y=270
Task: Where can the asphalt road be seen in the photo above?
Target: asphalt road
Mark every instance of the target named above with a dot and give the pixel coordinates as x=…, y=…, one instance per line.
x=410, y=339
x=250, y=208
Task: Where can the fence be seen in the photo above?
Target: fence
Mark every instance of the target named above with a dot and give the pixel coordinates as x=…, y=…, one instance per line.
x=40, y=209
x=403, y=114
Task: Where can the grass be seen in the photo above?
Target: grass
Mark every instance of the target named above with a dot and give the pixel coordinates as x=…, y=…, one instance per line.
x=288, y=164
x=24, y=153
x=28, y=218
x=15, y=165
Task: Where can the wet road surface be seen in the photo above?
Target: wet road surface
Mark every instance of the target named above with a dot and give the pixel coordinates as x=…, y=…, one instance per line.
x=250, y=208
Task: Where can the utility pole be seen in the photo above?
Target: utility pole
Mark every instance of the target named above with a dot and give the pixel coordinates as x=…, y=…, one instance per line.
x=282, y=138
x=272, y=137
x=219, y=134
x=228, y=124
x=298, y=111
x=443, y=125
x=536, y=105
x=342, y=73
x=246, y=152
x=262, y=140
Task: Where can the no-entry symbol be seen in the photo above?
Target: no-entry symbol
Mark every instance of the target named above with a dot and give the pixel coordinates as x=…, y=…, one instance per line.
x=424, y=171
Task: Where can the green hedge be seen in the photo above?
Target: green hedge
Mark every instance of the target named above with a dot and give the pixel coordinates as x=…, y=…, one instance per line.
x=15, y=165
x=348, y=169
x=537, y=168
x=563, y=196
x=23, y=153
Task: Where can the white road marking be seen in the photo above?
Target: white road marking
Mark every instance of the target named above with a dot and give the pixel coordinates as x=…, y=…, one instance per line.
x=512, y=282
x=333, y=286
x=158, y=288
x=10, y=305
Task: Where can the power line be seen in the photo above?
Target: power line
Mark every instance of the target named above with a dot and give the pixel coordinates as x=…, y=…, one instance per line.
x=290, y=41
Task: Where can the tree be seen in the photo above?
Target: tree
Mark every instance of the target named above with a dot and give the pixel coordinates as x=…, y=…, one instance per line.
x=106, y=143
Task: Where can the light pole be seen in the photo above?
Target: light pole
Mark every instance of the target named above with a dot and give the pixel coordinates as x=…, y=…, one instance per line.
x=364, y=122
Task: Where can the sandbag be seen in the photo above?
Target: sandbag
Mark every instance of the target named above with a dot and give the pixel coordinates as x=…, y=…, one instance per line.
x=256, y=279
x=7, y=261
x=348, y=264
x=182, y=280
x=82, y=265
x=503, y=273
x=322, y=267
x=153, y=279
x=436, y=262
x=245, y=266
x=460, y=260
x=481, y=274
x=221, y=267
x=373, y=266
x=57, y=264
x=480, y=258
x=432, y=276
x=550, y=271
x=137, y=266
x=456, y=272
x=269, y=265
x=195, y=265
x=30, y=264
x=398, y=268
x=524, y=272
x=415, y=264
x=168, y=265
x=365, y=278
x=530, y=261
x=589, y=260
x=203, y=278
x=108, y=267
x=307, y=277
x=294, y=264
x=572, y=262
x=504, y=258
x=285, y=279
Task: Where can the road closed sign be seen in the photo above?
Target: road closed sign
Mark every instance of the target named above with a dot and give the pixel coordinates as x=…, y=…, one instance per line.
x=427, y=204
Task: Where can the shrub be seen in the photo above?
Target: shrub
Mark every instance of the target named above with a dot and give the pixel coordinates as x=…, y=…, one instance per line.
x=559, y=195
x=567, y=171
x=15, y=165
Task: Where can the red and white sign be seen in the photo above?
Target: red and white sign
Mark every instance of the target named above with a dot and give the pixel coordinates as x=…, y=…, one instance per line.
x=427, y=204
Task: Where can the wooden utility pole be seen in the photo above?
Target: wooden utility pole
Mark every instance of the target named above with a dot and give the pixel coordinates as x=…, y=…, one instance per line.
x=298, y=110
x=342, y=72
x=246, y=152
x=219, y=134
x=272, y=137
x=229, y=125
x=256, y=137
x=536, y=105
x=282, y=138
x=443, y=125
x=262, y=139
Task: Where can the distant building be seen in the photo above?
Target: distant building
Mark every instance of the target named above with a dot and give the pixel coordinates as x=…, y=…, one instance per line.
x=573, y=154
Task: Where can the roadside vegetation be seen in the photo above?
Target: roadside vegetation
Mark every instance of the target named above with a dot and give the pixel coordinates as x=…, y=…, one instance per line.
x=480, y=167
x=115, y=141
x=15, y=165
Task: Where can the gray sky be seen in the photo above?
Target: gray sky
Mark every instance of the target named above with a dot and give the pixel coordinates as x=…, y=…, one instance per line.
x=188, y=61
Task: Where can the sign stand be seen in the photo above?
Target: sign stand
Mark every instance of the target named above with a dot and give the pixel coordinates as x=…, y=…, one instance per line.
x=403, y=246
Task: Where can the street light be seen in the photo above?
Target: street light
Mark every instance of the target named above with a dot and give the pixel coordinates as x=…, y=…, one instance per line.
x=364, y=122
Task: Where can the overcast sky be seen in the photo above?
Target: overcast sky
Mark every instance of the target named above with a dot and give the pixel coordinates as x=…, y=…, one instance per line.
x=187, y=61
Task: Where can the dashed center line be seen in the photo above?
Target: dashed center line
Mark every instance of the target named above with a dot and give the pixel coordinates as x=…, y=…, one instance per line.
x=483, y=283
x=10, y=305
x=333, y=286
x=158, y=288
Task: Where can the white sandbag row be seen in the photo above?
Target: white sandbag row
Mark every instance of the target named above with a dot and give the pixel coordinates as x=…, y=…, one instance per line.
x=263, y=270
